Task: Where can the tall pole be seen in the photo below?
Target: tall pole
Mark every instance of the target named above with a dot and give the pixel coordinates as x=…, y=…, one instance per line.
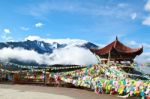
x=45, y=75
x=4, y=72
x=20, y=73
x=98, y=58
x=108, y=59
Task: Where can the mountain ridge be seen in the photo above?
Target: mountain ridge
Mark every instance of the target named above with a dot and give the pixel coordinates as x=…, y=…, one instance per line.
x=43, y=47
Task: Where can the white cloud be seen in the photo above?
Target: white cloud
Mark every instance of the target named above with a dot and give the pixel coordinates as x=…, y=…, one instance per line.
x=33, y=37
x=146, y=20
x=70, y=55
x=24, y=28
x=137, y=44
x=20, y=54
x=147, y=6
x=144, y=58
x=132, y=43
x=39, y=24
x=6, y=30
x=133, y=16
x=146, y=45
x=5, y=36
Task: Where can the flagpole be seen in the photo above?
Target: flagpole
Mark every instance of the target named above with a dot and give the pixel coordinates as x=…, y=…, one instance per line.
x=108, y=59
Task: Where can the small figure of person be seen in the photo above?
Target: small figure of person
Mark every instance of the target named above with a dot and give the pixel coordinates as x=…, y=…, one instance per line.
x=57, y=80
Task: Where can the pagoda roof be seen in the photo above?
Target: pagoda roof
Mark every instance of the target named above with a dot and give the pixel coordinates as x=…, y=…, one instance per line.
x=118, y=47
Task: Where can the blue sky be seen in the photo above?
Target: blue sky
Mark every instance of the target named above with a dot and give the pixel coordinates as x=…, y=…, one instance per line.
x=98, y=21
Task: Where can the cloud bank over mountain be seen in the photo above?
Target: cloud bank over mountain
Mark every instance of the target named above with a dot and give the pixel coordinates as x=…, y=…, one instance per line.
x=72, y=55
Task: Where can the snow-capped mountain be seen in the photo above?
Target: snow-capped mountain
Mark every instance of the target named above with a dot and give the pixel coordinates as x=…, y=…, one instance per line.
x=45, y=47
x=62, y=51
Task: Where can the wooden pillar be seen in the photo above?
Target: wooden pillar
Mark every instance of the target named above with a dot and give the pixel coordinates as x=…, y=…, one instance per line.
x=119, y=61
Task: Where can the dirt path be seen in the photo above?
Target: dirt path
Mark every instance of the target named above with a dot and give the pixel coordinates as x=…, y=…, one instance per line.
x=53, y=92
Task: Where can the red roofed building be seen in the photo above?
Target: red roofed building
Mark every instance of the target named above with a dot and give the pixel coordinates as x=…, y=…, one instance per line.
x=116, y=51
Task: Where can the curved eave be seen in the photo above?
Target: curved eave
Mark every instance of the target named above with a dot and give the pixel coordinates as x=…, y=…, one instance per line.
x=137, y=51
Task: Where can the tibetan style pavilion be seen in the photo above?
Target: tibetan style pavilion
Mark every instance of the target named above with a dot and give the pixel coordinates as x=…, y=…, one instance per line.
x=117, y=52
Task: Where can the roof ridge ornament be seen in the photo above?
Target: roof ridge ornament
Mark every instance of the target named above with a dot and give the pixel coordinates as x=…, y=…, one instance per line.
x=116, y=38
x=142, y=46
x=115, y=42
